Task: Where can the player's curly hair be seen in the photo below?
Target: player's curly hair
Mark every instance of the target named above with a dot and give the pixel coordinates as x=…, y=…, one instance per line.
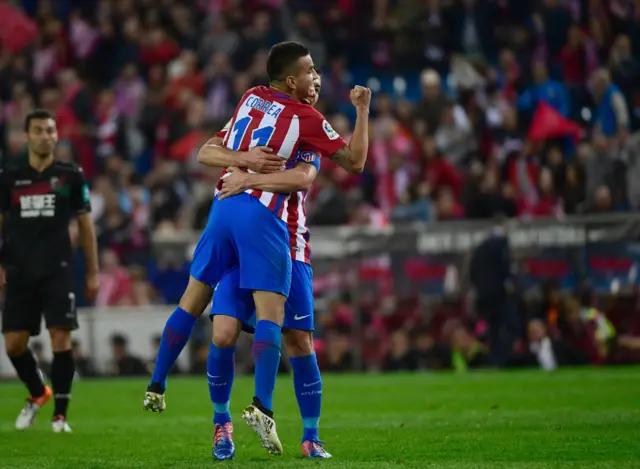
x=283, y=57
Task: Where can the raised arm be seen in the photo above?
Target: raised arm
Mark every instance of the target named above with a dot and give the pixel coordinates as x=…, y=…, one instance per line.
x=353, y=157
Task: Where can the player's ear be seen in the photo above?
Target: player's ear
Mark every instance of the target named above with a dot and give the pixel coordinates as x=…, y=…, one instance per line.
x=290, y=81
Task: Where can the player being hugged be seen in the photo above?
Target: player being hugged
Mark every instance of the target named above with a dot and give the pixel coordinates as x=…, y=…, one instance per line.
x=277, y=117
x=38, y=199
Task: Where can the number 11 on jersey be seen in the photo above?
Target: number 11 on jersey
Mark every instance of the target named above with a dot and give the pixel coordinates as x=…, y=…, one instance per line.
x=259, y=137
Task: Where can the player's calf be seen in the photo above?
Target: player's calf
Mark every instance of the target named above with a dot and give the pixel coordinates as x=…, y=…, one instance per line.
x=221, y=365
x=175, y=336
x=27, y=370
x=62, y=372
x=307, y=382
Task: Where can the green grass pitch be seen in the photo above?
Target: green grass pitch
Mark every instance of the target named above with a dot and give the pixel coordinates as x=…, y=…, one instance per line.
x=583, y=419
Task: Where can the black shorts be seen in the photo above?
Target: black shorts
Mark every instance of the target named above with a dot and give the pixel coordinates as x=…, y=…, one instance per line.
x=28, y=299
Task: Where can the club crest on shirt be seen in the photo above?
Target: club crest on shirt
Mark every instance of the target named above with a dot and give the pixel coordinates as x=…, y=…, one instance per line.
x=332, y=134
x=307, y=156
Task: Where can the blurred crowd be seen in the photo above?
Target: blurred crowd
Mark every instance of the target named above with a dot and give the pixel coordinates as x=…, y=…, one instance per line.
x=481, y=107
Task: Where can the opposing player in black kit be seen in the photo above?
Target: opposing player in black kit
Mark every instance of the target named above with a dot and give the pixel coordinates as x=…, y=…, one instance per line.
x=38, y=198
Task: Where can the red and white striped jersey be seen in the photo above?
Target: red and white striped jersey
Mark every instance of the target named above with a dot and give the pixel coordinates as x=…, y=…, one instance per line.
x=301, y=135
x=267, y=117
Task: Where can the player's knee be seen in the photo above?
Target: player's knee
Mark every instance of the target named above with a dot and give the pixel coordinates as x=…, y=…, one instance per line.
x=298, y=343
x=226, y=331
x=196, y=297
x=15, y=343
x=60, y=339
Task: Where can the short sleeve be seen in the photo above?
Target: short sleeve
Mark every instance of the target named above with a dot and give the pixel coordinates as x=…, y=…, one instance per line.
x=223, y=133
x=80, y=197
x=319, y=136
x=5, y=192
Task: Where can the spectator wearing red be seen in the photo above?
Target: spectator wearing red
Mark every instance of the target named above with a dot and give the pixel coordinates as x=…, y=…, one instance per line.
x=438, y=171
x=158, y=48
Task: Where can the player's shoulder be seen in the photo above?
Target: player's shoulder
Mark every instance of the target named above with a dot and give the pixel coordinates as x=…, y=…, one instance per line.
x=13, y=169
x=67, y=167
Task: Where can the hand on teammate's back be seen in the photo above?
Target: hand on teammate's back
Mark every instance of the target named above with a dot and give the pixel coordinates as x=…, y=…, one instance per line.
x=361, y=97
x=235, y=182
x=263, y=160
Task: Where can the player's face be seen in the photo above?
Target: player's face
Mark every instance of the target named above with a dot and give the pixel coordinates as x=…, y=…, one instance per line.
x=317, y=85
x=303, y=81
x=42, y=136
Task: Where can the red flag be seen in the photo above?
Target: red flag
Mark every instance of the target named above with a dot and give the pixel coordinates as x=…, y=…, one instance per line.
x=16, y=29
x=548, y=123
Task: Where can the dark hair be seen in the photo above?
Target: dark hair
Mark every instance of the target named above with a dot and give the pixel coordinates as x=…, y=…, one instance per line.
x=36, y=114
x=282, y=57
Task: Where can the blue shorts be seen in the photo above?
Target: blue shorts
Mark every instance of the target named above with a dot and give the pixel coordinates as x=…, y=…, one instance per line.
x=244, y=234
x=229, y=299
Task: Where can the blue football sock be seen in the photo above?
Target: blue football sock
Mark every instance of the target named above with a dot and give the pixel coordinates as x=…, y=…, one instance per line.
x=220, y=374
x=307, y=384
x=174, y=337
x=266, y=356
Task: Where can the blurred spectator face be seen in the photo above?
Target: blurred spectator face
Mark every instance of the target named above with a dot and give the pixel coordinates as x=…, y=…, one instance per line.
x=261, y=23
x=446, y=204
x=539, y=73
x=131, y=29
x=572, y=176
x=490, y=181
x=396, y=161
x=424, y=342
x=305, y=21
x=386, y=128
x=603, y=199
x=107, y=29
x=431, y=84
x=536, y=331
x=399, y=343
x=575, y=37
x=49, y=99
x=601, y=80
x=106, y=99
x=507, y=59
x=621, y=50
x=429, y=148
x=545, y=181
x=404, y=110
x=384, y=104
x=508, y=191
x=510, y=119
x=447, y=118
x=220, y=64
x=555, y=156
x=109, y=260
x=195, y=112
x=129, y=72
x=241, y=83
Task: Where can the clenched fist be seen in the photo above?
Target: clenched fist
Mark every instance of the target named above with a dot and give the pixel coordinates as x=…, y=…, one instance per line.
x=361, y=97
